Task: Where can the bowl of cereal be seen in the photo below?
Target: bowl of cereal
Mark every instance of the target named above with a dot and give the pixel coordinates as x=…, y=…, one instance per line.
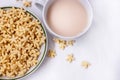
x=23, y=43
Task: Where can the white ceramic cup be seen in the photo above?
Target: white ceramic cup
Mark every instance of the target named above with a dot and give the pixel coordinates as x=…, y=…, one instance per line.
x=43, y=7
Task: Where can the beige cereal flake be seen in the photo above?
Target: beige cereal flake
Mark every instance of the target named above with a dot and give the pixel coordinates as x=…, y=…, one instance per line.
x=62, y=43
x=70, y=58
x=27, y=3
x=21, y=38
x=85, y=64
x=71, y=42
x=51, y=53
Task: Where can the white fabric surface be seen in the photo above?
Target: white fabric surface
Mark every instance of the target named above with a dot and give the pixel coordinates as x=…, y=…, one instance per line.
x=100, y=46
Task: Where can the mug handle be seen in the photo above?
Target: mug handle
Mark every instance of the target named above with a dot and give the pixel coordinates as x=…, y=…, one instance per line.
x=38, y=6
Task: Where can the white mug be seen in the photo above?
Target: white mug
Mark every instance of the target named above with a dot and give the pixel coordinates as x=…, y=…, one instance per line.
x=43, y=6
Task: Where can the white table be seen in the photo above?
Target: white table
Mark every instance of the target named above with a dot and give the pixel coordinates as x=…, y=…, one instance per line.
x=100, y=46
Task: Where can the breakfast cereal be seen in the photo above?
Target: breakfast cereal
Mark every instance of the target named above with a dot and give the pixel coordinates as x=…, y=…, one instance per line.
x=85, y=64
x=70, y=58
x=51, y=53
x=21, y=38
x=63, y=43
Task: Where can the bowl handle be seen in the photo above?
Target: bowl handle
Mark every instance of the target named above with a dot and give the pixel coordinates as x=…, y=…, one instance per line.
x=38, y=6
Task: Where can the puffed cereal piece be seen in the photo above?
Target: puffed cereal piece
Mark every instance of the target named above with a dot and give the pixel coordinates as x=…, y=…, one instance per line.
x=62, y=46
x=27, y=3
x=51, y=53
x=71, y=42
x=63, y=43
x=70, y=58
x=56, y=40
x=85, y=64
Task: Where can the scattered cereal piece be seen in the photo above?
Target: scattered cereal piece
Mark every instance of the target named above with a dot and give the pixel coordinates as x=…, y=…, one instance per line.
x=70, y=58
x=71, y=42
x=62, y=46
x=27, y=3
x=56, y=40
x=63, y=43
x=85, y=64
x=51, y=53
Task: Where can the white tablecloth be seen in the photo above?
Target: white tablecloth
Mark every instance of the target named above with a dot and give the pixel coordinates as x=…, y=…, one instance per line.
x=100, y=46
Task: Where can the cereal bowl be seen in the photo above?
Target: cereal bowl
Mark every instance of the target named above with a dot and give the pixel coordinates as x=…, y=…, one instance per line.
x=24, y=35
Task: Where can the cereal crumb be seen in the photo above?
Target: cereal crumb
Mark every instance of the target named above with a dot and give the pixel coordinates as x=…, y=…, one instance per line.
x=62, y=46
x=85, y=64
x=71, y=42
x=70, y=58
x=56, y=40
x=63, y=43
x=51, y=53
x=27, y=3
